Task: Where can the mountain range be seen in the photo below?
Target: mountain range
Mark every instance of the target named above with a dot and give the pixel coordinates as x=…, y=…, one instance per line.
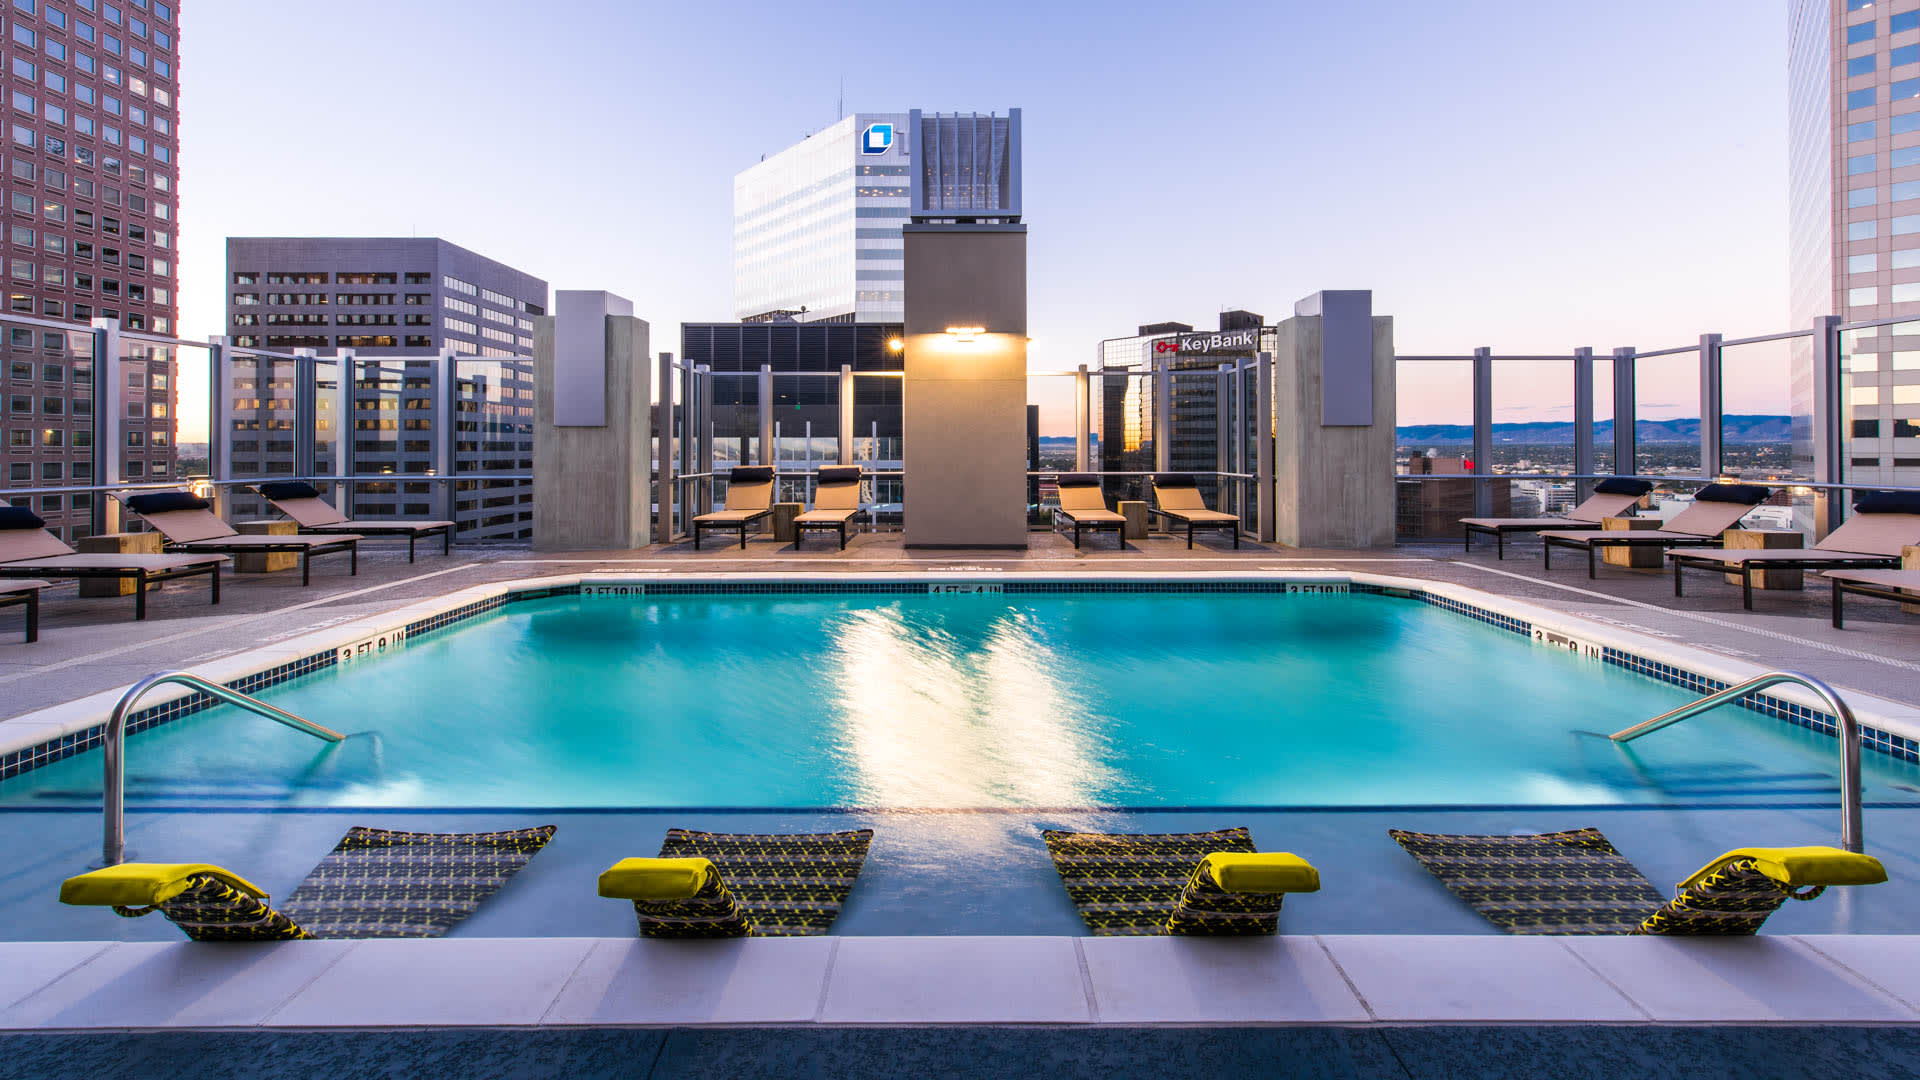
x=1733, y=429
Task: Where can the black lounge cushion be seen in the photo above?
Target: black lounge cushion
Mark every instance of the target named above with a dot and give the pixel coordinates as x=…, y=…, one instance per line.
x=1747, y=494
x=19, y=517
x=1079, y=480
x=1888, y=502
x=289, y=489
x=751, y=474
x=838, y=474
x=1616, y=485
x=162, y=501
x=1175, y=480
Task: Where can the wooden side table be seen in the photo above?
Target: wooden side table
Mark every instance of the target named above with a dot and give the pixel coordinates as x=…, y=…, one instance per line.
x=1136, y=515
x=1764, y=540
x=782, y=520
x=266, y=562
x=1642, y=558
x=1910, y=560
x=141, y=543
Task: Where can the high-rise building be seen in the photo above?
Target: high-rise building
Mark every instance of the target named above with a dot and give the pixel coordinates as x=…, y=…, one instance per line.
x=92, y=89
x=1854, y=222
x=1193, y=425
x=816, y=227
x=438, y=346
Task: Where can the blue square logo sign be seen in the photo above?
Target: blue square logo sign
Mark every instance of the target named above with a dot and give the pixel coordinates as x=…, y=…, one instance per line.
x=877, y=139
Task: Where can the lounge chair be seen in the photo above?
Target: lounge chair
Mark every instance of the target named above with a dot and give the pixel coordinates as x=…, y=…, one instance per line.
x=186, y=523
x=1082, y=503
x=1716, y=508
x=836, y=502
x=28, y=550
x=302, y=502
x=1182, y=884
x=1574, y=882
x=375, y=883
x=1884, y=522
x=27, y=593
x=717, y=885
x=1177, y=498
x=1901, y=586
x=1611, y=497
x=749, y=499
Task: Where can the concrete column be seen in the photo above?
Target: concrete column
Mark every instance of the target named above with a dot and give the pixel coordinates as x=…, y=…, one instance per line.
x=767, y=449
x=1829, y=425
x=1265, y=493
x=846, y=414
x=964, y=398
x=110, y=416
x=1583, y=421
x=590, y=479
x=1710, y=375
x=663, y=496
x=1333, y=476
x=1482, y=430
x=1624, y=417
x=1082, y=420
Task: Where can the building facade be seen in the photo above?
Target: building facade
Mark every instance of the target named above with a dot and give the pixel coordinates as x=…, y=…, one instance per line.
x=816, y=227
x=806, y=407
x=422, y=364
x=91, y=185
x=1126, y=398
x=1854, y=222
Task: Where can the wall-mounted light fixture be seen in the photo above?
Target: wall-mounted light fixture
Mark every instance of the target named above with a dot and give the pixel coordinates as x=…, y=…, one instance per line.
x=966, y=333
x=895, y=345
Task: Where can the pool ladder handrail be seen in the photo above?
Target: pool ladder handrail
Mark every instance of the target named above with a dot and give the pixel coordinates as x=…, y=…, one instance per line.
x=114, y=844
x=1849, y=737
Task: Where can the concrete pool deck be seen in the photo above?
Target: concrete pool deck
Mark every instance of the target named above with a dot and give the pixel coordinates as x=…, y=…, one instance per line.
x=92, y=646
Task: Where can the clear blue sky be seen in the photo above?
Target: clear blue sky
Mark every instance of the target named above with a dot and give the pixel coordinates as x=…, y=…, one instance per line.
x=1526, y=176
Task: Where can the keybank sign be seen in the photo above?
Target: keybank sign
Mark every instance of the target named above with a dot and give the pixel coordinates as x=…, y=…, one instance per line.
x=1225, y=341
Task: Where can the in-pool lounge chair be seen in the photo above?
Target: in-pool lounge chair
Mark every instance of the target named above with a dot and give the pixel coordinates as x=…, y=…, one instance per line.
x=749, y=499
x=1716, y=508
x=25, y=593
x=1612, y=497
x=186, y=523
x=1884, y=522
x=1177, y=498
x=1083, y=505
x=718, y=885
x=1192, y=884
x=1902, y=586
x=836, y=502
x=1574, y=882
x=375, y=883
x=301, y=501
x=28, y=550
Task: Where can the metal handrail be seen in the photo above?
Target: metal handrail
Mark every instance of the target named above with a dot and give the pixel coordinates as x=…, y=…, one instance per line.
x=1849, y=737
x=113, y=850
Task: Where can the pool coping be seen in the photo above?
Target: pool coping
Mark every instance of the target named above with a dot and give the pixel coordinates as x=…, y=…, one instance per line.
x=1344, y=980
x=46, y=735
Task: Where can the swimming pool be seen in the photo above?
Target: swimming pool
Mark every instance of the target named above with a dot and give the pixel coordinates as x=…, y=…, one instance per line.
x=892, y=701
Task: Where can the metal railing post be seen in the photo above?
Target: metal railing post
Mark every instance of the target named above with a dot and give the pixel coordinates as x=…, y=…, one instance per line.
x=846, y=414
x=1482, y=431
x=1710, y=403
x=110, y=411
x=664, y=488
x=446, y=423
x=1583, y=463
x=1624, y=414
x=1163, y=415
x=1264, y=492
x=1829, y=424
x=1082, y=420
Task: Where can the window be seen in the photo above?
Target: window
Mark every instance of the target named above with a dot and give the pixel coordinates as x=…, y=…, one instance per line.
x=418, y=299
x=56, y=82
x=1905, y=88
x=1908, y=190
x=23, y=236
x=1860, y=32
x=1906, y=20
x=1909, y=223
x=1860, y=132
x=461, y=306
x=1860, y=163
x=1859, y=65
x=23, y=135
x=1860, y=99
x=23, y=36
x=1906, y=293
x=56, y=50
x=1905, y=54
x=1861, y=196
x=1863, y=297
x=454, y=284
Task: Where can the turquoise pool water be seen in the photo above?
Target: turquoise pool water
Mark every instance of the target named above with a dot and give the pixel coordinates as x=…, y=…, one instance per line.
x=1056, y=701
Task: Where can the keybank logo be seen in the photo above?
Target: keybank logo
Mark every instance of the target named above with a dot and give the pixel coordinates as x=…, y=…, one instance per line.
x=877, y=139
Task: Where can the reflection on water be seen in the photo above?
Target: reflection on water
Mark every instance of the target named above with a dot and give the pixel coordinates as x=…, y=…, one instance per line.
x=926, y=719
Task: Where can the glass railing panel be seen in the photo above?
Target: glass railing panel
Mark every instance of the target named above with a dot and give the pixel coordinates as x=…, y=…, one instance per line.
x=1434, y=436
x=47, y=394
x=1666, y=434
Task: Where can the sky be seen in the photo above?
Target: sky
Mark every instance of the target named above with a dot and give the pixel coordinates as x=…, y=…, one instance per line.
x=1530, y=177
